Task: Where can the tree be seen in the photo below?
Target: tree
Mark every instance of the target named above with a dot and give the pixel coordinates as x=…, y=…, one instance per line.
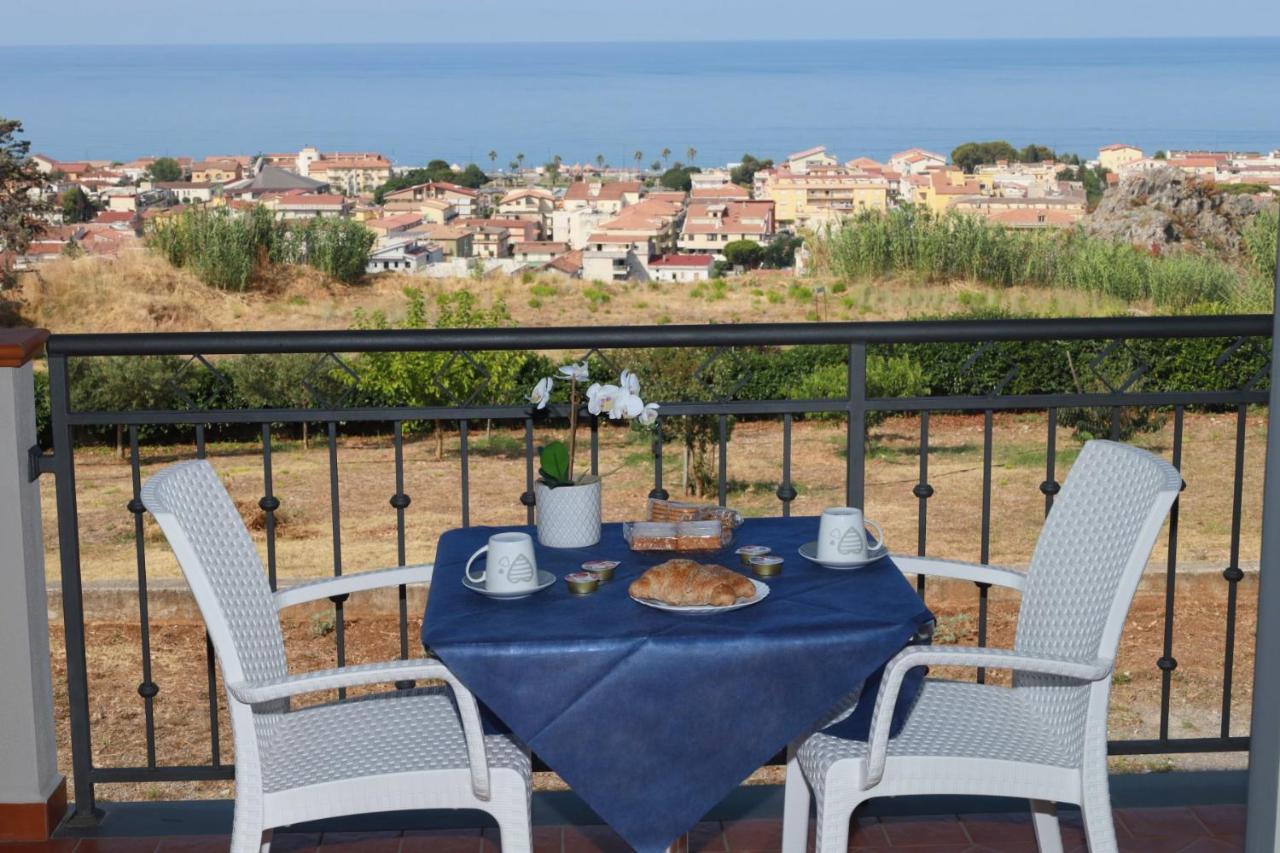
x=76, y=206
x=970, y=155
x=655, y=166
x=745, y=172
x=600, y=161
x=552, y=168
x=165, y=169
x=520, y=160
x=743, y=253
x=493, y=158
x=20, y=207
x=666, y=155
x=639, y=155
x=1160, y=155
x=678, y=177
x=437, y=170
x=514, y=165
x=691, y=153
x=781, y=252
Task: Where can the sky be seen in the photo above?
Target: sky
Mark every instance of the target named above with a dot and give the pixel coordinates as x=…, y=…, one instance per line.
x=29, y=22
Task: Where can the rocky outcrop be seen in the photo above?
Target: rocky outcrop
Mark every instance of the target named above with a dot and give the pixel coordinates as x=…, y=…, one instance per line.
x=1167, y=210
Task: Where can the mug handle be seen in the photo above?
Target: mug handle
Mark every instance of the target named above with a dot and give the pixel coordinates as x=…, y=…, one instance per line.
x=879, y=534
x=467, y=570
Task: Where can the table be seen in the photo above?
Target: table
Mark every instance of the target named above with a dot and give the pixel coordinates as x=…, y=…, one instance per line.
x=653, y=717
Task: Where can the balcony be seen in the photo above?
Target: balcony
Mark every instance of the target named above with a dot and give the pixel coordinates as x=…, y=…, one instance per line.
x=963, y=463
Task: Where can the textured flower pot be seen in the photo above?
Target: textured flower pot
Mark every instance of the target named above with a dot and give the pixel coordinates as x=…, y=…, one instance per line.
x=569, y=516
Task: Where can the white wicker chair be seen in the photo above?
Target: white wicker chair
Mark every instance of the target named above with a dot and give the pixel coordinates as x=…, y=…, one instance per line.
x=1044, y=738
x=410, y=749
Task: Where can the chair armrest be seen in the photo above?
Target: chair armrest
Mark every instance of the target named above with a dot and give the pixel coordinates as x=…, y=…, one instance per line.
x=256, y=692
x=916, y=656
x=358, y=582
x=977, y=572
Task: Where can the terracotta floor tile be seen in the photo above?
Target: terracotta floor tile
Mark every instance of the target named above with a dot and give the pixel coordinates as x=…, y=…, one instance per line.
x=707, y=837
x=753, y=834
x=1215, y=845
x=593, y=839
x=294, y=842
x=1222, y=820
x=1154, y=844
x=196, y=844
x=360, y=842
x=866, y=832
x=1174, y=821
x=918, y=831
x=546, y=839
x=440, y=841
x=117, y=845
x=53, y=845
x=1010, y=831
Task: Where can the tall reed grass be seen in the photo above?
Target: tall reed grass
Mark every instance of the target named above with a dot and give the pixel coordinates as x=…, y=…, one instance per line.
x=910, y=243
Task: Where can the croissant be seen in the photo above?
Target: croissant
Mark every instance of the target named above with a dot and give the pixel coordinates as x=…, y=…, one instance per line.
x=685, y=582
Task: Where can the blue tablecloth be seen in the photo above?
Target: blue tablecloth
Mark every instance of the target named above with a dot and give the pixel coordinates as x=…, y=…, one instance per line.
x=654, y=717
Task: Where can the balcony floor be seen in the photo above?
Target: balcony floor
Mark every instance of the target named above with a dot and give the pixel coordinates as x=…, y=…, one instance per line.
x=1195, y=829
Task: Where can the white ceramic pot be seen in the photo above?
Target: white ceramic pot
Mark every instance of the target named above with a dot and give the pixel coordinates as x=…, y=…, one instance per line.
x=568, y=516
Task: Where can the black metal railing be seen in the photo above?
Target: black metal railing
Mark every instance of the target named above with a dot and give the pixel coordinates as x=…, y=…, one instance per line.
x=1241, y=336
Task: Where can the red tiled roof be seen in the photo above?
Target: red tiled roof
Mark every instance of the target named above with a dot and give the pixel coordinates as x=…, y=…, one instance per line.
x=690, y=261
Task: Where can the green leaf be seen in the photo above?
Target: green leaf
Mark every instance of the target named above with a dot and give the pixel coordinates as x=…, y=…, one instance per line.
x=555, y=463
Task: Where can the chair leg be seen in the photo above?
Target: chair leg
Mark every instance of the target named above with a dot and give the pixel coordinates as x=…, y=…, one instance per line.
x=1095, y=804
x=832, y=824
x=795, y=812
x=515, y=827
x=1044, y=816
x=247, y=834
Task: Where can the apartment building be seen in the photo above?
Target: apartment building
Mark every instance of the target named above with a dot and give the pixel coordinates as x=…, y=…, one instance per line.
x=710, y=226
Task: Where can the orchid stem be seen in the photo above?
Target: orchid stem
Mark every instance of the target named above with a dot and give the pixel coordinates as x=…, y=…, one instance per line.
x=573, y=424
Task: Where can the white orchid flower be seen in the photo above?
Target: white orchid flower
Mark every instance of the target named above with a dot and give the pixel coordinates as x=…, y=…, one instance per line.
x=626, y=405
x=576, y=372
x=601, y=398
x=541, y=392
x=629, y=382
x=649, y=416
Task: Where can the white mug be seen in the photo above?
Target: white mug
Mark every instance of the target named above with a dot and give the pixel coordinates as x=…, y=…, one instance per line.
x=510, y=565
x=842, y=535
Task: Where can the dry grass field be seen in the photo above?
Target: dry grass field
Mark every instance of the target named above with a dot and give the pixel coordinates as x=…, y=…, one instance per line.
x=141, y=293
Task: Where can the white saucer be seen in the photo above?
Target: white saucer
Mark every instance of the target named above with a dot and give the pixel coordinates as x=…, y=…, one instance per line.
x=545, y=579
x=762, y=590
x=809, y=551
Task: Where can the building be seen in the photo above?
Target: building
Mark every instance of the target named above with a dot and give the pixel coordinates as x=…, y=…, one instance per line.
x=539, y=252
x=351, y=174
x=409, y=256
x=822, y=194
x=216, y=172
x=569, y=264
x=916, y=161
x=532, y=204
x=1201, y=166
x=188, y=192
x=273, y=179
x=720, y=192
x=454, y=240
x=607, y=196
x=802, y=161
x=466, y=202
x=710, y=226
x=490, y=241
x=391, y=225
x=519, y=230
x=1034, y=212
x=297, y=204
x=681, y=268
x=655, y=220
x=1112, y=157
x=709, y=179
x=617, y=257
x=575, y=226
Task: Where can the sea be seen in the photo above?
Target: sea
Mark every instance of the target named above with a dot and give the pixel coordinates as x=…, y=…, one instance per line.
x=458, y=102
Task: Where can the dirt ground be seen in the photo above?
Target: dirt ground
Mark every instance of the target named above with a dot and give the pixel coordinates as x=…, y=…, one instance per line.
x=497, y=479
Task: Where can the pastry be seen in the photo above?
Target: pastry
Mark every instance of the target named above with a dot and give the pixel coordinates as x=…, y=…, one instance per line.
x=685, y=582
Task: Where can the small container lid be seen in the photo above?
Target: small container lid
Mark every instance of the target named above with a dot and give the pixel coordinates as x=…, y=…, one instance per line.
x=754, y=550
x=580, y=577
x=766, y=560
x=600, y=565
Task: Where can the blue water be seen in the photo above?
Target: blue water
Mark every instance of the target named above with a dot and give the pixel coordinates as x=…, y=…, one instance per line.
x=415, y=102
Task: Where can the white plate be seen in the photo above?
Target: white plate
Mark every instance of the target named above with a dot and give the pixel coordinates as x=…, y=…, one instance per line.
x=762, y=589
x=545, y=579
x=809, y=551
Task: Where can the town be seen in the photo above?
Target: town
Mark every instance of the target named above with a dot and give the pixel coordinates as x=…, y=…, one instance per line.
x=668, y=221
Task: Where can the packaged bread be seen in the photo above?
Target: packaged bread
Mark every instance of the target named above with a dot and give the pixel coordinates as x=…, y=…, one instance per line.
x=651, y=536
x=684, y=582
x=663, y=510
x=699, y=536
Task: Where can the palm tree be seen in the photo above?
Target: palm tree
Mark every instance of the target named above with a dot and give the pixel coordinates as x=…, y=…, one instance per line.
x=639, y=155
x=693, y=154
x=520, y=160
x=600, y=161
x=655, y=166
x=666, y=154
x=493, y=158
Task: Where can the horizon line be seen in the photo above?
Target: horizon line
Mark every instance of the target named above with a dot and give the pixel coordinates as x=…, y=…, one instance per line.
x=655, y=41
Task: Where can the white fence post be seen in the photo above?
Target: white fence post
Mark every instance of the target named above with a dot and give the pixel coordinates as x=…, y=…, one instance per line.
x=33, y=795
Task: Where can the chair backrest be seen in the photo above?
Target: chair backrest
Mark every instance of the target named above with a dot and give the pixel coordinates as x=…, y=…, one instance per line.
x=221, y=566
x=1087, y=563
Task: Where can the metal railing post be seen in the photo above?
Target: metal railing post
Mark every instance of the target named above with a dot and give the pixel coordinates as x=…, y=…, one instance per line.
x=855, y=487
x=1263, y=831
x=33, y=795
